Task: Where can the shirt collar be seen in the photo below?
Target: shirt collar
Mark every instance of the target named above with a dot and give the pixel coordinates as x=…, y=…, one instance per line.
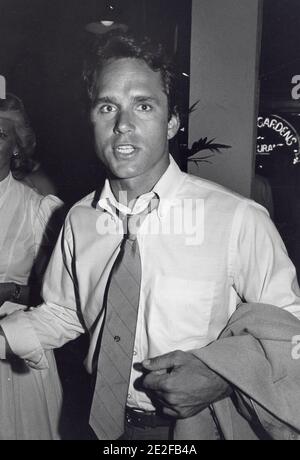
x=108, y=201
x=167, y=186
x=165, y=189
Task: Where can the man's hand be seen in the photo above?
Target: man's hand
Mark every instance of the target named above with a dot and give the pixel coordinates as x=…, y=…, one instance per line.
x=183, y=384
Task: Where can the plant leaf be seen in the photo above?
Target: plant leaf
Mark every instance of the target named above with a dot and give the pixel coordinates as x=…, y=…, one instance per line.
x=194, y=106
x=204, y=144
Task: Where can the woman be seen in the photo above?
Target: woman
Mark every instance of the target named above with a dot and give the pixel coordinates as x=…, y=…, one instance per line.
x=30, y=400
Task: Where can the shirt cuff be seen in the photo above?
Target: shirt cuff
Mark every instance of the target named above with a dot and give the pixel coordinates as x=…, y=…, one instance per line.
x=23, y=340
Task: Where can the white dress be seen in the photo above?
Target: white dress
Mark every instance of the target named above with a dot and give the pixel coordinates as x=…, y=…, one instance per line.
x=30, y=400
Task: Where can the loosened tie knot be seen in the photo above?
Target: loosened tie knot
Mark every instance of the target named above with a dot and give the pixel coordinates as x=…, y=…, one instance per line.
x=133, y=222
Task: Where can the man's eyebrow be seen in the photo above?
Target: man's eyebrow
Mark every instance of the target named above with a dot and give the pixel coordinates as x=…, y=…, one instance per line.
x=138, y=98
x=105, y=100
x=142, y=98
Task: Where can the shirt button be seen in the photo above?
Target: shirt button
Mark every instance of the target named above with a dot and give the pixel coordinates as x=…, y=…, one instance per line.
x=128, y=396
x=117, y=338
x=134, y=352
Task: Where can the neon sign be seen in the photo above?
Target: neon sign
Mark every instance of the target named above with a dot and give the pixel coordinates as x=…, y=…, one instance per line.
x=274, y=133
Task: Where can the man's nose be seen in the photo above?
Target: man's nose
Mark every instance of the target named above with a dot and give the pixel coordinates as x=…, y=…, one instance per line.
x=124, y=123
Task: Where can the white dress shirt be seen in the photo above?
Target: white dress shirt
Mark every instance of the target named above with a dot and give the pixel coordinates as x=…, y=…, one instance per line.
x=203, y=250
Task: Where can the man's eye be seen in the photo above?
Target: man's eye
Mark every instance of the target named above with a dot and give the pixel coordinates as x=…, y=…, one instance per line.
x=3, y=134
x=144, y=107
x=107, y=108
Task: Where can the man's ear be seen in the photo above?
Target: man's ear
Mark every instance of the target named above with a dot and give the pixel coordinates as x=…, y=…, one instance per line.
x=173, y=125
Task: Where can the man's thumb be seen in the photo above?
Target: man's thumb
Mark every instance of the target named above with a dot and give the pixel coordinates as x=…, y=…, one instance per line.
x=161, y=362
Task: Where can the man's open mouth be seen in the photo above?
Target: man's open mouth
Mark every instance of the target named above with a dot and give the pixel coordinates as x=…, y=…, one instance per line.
x=125, y=149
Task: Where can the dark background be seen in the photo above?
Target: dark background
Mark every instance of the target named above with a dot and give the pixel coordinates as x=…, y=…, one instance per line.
x=42, y=43
x=41, y=54
x=280, y=51
x=280, y=61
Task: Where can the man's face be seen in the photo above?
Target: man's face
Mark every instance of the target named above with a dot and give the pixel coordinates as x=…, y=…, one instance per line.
x=7, y=141
x=130, y=119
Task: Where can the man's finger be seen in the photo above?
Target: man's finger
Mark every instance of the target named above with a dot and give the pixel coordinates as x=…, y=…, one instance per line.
x=160, y=372
x=168, y=411
x=165, y=361
x=155, y=381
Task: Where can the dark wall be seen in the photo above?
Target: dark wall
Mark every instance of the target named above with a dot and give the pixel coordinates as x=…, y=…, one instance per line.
x=42, y=46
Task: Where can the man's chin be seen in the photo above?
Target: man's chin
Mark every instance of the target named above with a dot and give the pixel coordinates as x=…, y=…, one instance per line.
x=121, y=174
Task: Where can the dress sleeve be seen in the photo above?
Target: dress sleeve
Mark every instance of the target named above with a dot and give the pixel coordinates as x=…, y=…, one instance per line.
x=47, y=218
x=58, y=319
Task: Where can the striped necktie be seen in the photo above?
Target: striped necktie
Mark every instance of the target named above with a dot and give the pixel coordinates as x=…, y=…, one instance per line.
x=117, y=342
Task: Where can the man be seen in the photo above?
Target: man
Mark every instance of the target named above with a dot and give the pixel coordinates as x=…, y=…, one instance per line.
x=201, y=249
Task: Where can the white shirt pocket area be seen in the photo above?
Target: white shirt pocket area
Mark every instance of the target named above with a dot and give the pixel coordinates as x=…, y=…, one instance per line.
x=179, y=314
